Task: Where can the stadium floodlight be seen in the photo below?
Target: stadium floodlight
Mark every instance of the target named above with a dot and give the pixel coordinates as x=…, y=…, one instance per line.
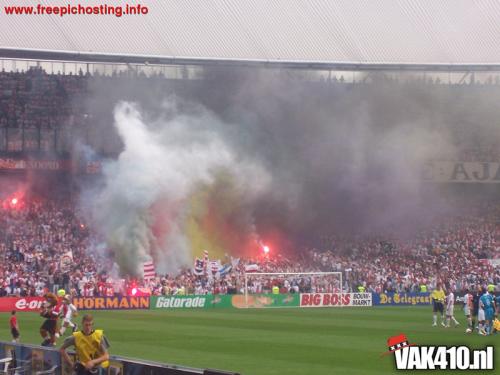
x=319, y=282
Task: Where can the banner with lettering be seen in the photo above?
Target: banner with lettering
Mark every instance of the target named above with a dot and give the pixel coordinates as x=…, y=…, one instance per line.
x=25, y=164
x=7, y=304
x=335, y=299
x=191, y=301
x=225, y=301
x=111, y=303
x=265, y=300
x=398, y=299
x=462, y=172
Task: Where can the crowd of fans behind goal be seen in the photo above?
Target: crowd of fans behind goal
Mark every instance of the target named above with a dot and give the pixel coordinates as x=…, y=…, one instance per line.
x=37, y=233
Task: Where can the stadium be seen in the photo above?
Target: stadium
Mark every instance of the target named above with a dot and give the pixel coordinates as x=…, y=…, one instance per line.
x=249, y=187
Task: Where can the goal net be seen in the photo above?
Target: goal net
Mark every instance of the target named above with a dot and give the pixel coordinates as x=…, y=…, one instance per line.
x=283, y=286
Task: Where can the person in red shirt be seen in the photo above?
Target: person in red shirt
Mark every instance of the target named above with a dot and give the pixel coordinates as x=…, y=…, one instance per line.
x=14, y=327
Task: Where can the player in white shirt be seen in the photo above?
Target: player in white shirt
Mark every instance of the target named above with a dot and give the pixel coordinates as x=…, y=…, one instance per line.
x=481, y=317
x=468, y=309
x=450, y=305
x=68, y=312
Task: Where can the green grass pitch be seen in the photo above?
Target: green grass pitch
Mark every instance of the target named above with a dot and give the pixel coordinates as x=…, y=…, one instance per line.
x=268, y=341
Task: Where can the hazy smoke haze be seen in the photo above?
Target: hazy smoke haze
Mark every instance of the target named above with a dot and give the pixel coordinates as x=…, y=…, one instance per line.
x=277, y=156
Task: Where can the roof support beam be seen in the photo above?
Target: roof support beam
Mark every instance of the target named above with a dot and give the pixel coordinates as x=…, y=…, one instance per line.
x=49, y=55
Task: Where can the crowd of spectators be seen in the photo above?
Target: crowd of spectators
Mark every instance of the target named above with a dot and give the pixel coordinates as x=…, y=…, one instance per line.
x=36, y=237
x=457, y=252
x=34, y=99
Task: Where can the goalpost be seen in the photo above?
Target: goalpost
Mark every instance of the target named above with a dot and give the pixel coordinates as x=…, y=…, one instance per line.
x=318, y=282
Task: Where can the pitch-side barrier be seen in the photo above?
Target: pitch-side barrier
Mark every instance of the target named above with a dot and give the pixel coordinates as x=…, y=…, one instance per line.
x=190, y=302
x=33, y=359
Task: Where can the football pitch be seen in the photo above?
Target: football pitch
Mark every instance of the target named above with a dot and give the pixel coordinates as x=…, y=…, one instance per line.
x=268, y=341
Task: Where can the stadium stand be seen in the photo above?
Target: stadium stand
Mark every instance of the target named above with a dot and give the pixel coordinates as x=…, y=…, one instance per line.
x=36, y=233
x=39, y=112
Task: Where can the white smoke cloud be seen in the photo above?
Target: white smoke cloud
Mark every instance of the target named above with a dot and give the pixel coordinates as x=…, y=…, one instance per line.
x=141, y=208
x=344, y=159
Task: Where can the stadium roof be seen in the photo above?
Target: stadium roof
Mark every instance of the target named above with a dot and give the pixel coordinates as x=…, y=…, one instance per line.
x=327, y=33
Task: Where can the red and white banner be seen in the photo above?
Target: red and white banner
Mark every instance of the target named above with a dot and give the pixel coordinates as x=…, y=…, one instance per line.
x=149, y=270
x=66, y=261
x=198, y=268
x=252, y=268
x=8, y=304
x=335, y=299
x=214, y=266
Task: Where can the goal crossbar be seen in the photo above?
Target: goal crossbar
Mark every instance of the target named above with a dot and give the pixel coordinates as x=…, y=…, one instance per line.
x=278, y=274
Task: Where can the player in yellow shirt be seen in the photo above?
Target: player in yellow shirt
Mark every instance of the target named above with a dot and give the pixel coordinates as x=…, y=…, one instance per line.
x=91, y=347
x=437, y=298
x=496, y=325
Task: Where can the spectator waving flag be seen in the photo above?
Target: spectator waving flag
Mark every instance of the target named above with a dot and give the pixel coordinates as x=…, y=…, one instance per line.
x=149, y=270
x=252, y=268
x=235, y=262
x=226, y=268
x=215, y=266
x=66, y=261
x=205, y=261
x=198, y=266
